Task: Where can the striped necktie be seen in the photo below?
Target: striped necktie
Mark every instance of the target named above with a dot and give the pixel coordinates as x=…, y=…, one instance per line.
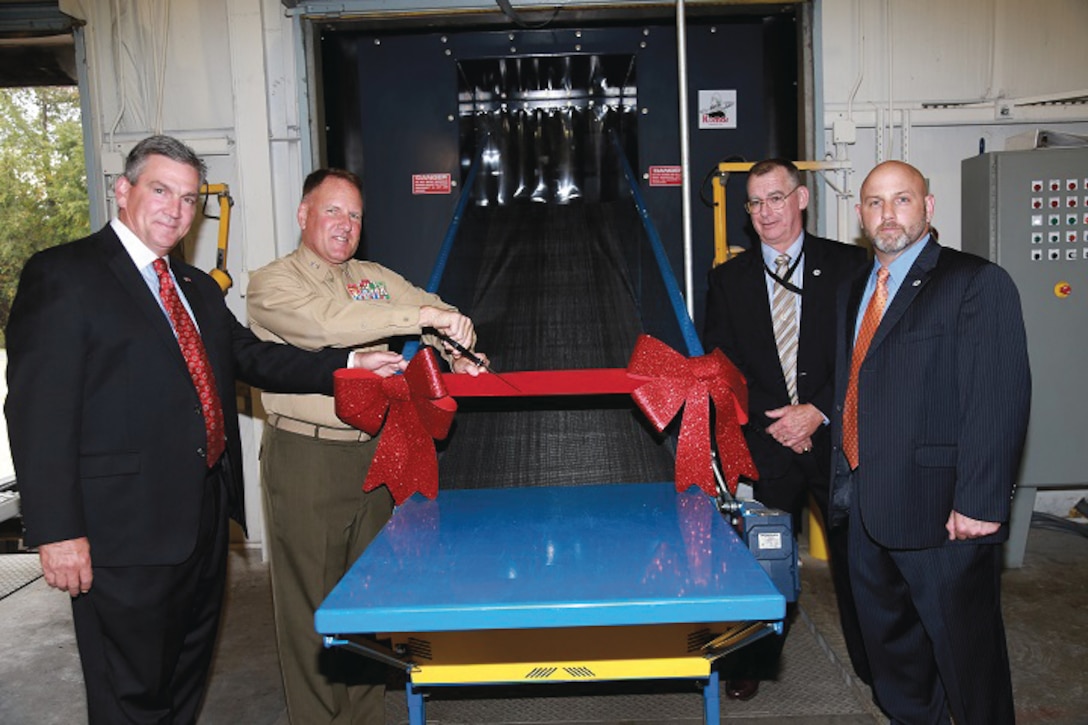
x=784, y=315
x=873, y=314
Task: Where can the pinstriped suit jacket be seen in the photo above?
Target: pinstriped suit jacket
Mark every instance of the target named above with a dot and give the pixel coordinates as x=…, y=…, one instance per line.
x=943, y=400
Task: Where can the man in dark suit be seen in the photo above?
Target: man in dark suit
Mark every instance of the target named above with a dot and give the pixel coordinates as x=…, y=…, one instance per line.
x=789, y=361
x=124, y=434
x=932, y=394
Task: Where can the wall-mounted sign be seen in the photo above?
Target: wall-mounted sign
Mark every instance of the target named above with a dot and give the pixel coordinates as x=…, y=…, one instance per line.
x=665, y=176
x=431, y=184
x=717, y=109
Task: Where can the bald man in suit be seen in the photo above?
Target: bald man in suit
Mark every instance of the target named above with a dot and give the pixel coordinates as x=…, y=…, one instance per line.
x=932, y=397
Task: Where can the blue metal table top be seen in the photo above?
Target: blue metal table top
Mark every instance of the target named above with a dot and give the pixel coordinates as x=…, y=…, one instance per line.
x=570, y=556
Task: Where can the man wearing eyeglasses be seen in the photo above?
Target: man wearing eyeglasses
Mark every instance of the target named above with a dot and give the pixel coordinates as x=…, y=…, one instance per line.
x=772, y=312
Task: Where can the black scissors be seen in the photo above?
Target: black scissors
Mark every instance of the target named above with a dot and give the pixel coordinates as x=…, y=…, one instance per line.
x=473, y=357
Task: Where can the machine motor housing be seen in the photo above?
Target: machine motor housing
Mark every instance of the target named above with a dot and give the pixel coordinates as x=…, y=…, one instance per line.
x=769, y=535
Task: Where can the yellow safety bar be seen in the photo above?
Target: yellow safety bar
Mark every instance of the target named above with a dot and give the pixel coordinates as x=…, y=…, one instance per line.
x=722, y=251
x=220, y=273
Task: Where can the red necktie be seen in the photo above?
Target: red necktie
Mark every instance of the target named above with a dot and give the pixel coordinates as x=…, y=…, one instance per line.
x=869, y=323
x=196, y=359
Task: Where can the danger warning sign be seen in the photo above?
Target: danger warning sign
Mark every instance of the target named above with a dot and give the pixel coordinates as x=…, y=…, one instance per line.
x=665, y=176
x=431, y=184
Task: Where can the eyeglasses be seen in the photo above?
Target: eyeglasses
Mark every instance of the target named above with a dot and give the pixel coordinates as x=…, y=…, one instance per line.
x=774, y=202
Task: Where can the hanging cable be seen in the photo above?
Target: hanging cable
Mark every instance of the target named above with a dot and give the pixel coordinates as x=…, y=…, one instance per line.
x=711, y=173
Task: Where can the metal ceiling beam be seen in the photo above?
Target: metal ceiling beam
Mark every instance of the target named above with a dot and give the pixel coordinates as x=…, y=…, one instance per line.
x=33, y=19
x=347, y=9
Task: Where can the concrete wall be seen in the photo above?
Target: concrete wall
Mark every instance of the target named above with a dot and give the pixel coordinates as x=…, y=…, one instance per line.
x=928, y=81
x=219, y=74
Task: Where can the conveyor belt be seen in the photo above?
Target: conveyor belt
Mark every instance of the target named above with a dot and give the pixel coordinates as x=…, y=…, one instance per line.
x=552, y=293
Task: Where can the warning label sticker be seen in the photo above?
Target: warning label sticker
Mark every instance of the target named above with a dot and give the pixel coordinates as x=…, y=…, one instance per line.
x=431, y=184
x=666, y=176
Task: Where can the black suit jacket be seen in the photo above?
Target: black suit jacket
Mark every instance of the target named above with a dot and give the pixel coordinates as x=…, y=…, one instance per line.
x=943, y=399
x=106, y=429
x=738, y=322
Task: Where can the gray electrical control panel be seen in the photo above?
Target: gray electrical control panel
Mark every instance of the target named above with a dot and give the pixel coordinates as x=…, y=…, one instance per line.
x=1028, y=212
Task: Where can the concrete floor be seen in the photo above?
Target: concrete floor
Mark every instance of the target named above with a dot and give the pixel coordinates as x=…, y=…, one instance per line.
x=1045, y=608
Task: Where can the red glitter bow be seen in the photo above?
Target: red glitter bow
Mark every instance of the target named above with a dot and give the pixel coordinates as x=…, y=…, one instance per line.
x=414, y=408
x=679, y=381
x=417, y=407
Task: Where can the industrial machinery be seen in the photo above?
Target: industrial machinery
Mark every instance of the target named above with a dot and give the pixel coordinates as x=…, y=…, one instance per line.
x=222, y=192
x=557, y=549
x=540, y=103
x=1028, y=211
x=553, y=585
x=769, y=535
x=540, y=167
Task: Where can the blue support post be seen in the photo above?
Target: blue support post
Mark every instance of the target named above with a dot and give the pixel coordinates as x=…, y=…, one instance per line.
x=676, y=298
x=712, y=706
x=439, y=268
x=417, y=714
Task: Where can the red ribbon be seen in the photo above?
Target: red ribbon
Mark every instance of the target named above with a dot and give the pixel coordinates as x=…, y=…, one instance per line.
x=414, y=408
x=418, y=407
x=677, y=381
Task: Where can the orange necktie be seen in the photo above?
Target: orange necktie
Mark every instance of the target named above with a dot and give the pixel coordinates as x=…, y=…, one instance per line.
x=869, y=323
x=196, y=359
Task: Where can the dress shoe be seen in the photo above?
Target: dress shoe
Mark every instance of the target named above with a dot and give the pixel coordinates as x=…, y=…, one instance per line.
x=741, y=689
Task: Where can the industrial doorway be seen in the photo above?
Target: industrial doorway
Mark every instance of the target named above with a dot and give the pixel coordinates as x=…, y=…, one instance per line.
x=406, y=102
x=43, y=181
x=532, y=143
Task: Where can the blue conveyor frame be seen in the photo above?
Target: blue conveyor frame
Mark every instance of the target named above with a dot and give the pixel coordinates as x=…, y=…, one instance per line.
x=562, y=557
x=554, y=557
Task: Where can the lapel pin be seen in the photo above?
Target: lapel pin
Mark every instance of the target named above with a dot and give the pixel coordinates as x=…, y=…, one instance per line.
x=815, y=273
x=915, y=283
